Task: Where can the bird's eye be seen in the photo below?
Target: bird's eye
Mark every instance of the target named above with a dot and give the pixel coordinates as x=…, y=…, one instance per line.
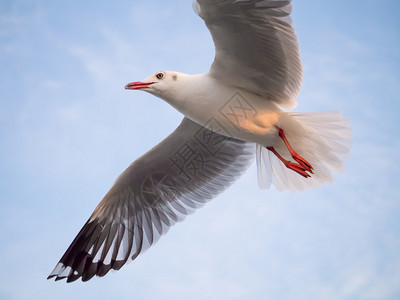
x=160, y=75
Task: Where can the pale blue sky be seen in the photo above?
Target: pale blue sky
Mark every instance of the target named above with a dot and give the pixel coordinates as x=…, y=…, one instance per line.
x=68, y=128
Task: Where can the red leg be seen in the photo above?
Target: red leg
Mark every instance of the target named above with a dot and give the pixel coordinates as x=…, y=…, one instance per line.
x=298, y=168
x=304, y=163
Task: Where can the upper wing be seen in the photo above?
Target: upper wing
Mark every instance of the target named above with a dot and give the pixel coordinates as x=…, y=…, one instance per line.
x=256, y=47
x=188, y=168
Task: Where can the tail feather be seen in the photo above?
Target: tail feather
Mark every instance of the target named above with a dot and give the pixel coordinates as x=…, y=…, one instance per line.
x=323, y=139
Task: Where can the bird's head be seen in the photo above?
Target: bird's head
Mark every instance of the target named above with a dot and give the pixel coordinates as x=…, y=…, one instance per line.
x=157, y=84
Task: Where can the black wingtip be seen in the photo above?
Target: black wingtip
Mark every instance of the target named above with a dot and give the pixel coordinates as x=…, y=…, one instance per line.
x=60, y=278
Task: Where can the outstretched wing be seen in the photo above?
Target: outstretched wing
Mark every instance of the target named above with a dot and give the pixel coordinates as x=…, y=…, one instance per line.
x=190, y=167
x=256, y=47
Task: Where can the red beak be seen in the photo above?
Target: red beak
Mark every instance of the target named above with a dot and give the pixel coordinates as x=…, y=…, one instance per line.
x=138, y=85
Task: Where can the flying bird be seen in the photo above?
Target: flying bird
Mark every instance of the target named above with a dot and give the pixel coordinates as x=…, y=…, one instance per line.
x=232, y=113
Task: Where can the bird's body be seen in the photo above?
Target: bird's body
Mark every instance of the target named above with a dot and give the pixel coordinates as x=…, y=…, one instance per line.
x=218, y=106
x=239, y=103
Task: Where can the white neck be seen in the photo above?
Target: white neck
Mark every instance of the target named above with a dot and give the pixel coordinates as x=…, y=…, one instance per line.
x=184, y=90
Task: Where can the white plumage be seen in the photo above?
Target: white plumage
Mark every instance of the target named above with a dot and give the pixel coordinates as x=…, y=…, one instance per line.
x=236, y=105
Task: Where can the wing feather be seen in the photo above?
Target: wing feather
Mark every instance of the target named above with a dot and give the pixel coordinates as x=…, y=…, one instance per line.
x=152, y=194
x=256, y=47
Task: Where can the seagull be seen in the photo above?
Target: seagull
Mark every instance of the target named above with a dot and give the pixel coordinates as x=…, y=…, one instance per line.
x=232, y=113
